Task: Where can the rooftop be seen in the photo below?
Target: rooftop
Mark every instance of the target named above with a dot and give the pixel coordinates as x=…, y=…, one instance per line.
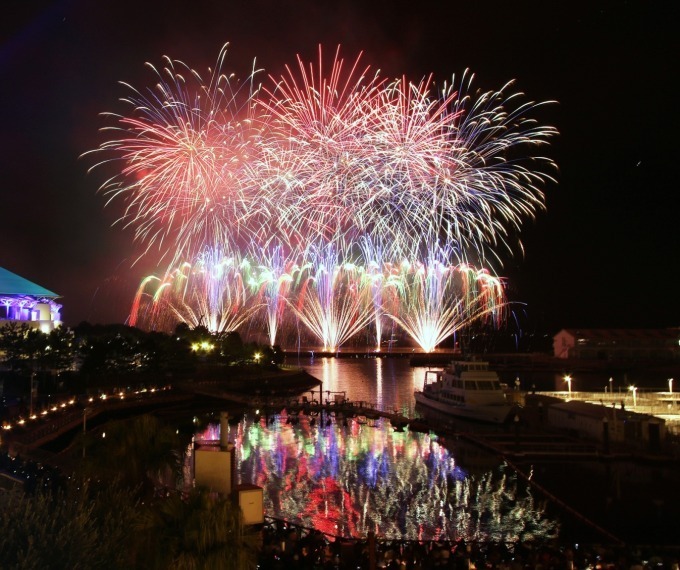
x=13, y=284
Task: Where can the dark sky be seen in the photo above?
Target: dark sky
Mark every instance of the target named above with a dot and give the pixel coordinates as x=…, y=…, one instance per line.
x=605, y=253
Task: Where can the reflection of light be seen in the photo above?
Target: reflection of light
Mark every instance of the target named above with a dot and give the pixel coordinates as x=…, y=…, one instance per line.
x=379, y=381
x=349, y=480
x=330, y=374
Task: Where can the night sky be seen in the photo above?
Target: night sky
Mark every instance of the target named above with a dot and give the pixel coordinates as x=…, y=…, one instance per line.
x=604, y=254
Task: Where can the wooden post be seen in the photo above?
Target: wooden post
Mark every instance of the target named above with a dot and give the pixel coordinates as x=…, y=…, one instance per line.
x=605, y=434
x=371, y=550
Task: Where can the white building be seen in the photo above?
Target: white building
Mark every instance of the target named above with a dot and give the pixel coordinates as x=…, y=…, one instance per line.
x=25, y=302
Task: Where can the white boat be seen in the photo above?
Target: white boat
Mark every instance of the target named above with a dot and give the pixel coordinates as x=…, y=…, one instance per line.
x=465, y=389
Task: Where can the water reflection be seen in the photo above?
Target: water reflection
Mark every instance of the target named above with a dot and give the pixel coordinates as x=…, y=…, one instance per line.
x=348, y=480
x=388, y=383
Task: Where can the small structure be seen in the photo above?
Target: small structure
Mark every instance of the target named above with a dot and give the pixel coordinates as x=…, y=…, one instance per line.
x=608, y=424
x=25, y=302
x=215, y=468
x=618, y=344
x=250, y=499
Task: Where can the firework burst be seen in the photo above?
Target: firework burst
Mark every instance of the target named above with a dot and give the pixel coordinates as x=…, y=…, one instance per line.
x=187, y=152
x=332, y=176
x=273, y=283
x=316, y=154
x=438, y=299
x=212, y=292
x=333, y=298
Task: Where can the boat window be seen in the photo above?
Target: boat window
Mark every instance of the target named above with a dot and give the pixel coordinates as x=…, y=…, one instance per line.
x=470, y=385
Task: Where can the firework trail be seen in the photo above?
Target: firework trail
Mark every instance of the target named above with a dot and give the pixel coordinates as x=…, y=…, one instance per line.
x=316, y=159
x=333, y=297
x=380, y=274
x=442, y=171
x=438, y=299
x=273, y=283
x=347, y=173
x=186, y=154
x=212, y=293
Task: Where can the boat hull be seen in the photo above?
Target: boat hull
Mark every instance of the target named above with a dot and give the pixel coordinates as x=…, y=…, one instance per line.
x=494, y=414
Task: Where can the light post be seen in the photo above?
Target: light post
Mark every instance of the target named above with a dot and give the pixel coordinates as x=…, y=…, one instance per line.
x=634, y=390
x=567, y=379
x=611, y=386
x=670, y=389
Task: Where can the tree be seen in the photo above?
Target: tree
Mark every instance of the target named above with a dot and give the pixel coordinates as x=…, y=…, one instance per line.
x=82, y=526
x=196, y=531
x=13, y=346
x=139, y=451
x=61, y=349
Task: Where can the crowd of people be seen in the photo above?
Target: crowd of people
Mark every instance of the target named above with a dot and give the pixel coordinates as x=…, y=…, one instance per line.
x=287, y=547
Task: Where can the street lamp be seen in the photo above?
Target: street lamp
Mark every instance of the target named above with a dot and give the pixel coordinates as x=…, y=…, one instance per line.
x=670, y=390
x=567, y=379
x=634, y=390
x=611, y=385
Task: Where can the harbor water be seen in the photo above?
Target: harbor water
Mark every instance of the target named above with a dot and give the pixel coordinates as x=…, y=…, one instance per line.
x=347, y=476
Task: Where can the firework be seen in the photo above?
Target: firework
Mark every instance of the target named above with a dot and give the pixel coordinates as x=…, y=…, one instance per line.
x=333, y=297
x=212, y=292
x=272, y=283
x=401, y=162
x=438, y=299
x=332, y=176
x=315, y=150
x=186, y=154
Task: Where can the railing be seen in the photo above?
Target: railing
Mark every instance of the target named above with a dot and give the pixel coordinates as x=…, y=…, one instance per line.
x=663, y=404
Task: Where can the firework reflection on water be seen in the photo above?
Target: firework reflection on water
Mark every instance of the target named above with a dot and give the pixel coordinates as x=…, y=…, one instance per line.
x=349, y=478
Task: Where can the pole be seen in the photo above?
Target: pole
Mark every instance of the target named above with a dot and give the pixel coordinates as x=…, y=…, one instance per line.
x=371, y=550
x=84, y=429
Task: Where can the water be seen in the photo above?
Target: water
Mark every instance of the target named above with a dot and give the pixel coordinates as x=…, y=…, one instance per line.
x=348, y=476
x=388, y=383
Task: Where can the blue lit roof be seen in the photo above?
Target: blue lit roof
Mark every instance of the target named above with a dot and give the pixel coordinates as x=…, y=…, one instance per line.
x=13, y=284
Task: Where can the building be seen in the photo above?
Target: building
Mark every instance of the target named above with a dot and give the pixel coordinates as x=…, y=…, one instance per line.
x=618, y=344
x=25, y=302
